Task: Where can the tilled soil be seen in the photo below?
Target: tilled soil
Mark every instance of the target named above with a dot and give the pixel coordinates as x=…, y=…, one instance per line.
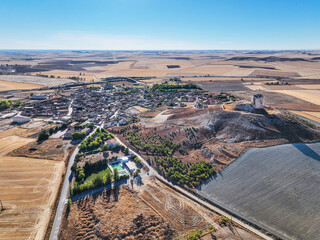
x=113, y=214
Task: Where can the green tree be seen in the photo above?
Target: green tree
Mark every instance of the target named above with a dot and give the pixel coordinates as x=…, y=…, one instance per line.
x=108, y=178
x=116, y=176
x=18, y=103
x=80, y=173
x=44, y=135
x=126, y=151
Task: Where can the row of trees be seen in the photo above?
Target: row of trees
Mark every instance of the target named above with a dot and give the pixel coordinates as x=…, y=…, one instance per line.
x=97, y=181
x=190, y=174
x=8, y=104
x=163, y=87
x=78, y=135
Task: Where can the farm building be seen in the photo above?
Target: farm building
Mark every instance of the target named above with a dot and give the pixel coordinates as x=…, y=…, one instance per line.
x=21, y=119
x=257, y=101
x=38, y=97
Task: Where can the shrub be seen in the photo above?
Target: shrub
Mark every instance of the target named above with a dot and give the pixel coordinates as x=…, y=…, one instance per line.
x=44, y=135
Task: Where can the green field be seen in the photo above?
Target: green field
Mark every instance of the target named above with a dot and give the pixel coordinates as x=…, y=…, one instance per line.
x=101, y=173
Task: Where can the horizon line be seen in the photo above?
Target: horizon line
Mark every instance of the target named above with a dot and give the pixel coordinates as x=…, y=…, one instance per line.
x=135, y=50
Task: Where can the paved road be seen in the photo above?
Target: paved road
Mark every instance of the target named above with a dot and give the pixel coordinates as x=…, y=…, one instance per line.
x=64, y=195
x=63, y=198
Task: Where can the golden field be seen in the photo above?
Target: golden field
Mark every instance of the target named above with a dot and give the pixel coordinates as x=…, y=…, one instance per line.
x=28, y=190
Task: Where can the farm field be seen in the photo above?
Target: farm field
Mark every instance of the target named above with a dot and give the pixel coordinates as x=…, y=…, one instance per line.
x=28, y=190
x=274, y=187
x=101, y=64
x=6, y=86
x=315, y=116
x=312, y=96
x=34, y=80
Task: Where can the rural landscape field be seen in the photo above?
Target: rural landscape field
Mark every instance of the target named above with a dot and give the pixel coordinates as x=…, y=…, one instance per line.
x=70, y=119
x=160, y=120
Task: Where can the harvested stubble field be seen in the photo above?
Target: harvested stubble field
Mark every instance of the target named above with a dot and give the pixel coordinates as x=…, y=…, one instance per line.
x=312, y=96
x=274, y=187
x=28, y=190
x=49, y=82
x=51, y=149
x=6, y=86
x=315, y=116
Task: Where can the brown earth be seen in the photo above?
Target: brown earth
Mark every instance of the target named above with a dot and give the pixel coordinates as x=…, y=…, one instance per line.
x=51, y=149
x=226, y=134
x=148, y=211
x=113, y=214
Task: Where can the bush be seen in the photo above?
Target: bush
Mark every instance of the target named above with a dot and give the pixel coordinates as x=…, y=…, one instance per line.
x=211, y=228
x=223, y=220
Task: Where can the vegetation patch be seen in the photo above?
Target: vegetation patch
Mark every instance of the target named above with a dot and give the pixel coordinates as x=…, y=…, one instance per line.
x=162, y=150
x=164, y=87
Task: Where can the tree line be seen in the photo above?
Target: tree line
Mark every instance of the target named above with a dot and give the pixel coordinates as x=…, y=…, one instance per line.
x=8, y=104
x=163, y=87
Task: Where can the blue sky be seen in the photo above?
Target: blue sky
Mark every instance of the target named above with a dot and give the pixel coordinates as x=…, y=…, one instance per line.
x=160, y=24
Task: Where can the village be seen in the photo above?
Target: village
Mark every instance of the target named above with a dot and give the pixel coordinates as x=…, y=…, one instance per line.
x=83, y=115
x=95, y=126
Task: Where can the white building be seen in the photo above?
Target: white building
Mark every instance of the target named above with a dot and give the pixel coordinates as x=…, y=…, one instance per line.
x=123, y=159
x=131, y=166
x=257, y=101
x=21, y=119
